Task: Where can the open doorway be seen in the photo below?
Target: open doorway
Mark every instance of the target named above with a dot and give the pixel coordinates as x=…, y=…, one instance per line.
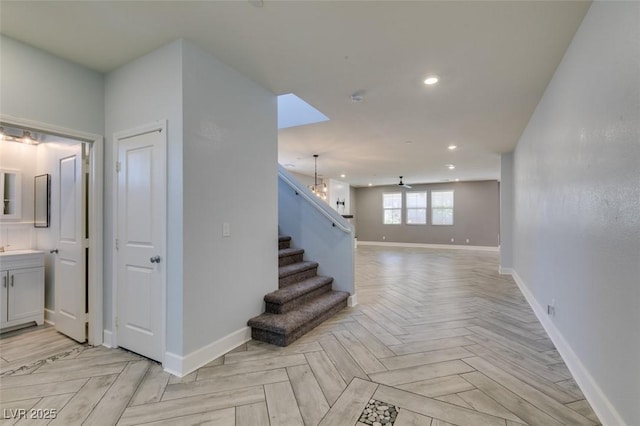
x=69, y=234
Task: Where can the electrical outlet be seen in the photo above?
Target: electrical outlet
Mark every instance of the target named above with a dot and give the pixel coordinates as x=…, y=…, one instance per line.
x=467, y=241
x=384, y=238
x=226, y=229
x=453, y=240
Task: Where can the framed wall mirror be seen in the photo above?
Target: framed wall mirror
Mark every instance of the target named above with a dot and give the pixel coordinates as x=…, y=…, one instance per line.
x=42, y=201
x=10, y=194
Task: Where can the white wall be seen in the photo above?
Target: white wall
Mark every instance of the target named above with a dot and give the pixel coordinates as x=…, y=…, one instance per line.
x=303, y=179
x=506, y=212
x=230, y=175
x=18, y=233
x=45, y=162
x=310, y=230
x=339, y=190
x=38, y=86
x=144, y=91
x=577, y=209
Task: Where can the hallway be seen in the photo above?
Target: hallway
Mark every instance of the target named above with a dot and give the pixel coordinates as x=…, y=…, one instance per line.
x=438, y=338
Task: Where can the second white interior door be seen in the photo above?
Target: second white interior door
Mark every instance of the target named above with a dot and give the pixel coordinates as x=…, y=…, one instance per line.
x=141, y=242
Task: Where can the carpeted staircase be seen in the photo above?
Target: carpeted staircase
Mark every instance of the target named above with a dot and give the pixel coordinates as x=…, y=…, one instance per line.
x=304, y=299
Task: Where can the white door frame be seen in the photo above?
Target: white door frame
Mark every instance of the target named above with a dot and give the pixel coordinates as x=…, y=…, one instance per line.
x=160, y=125
x=96, y=260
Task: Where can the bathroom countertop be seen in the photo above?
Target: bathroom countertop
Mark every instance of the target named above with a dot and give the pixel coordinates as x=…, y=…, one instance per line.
x=19, y=252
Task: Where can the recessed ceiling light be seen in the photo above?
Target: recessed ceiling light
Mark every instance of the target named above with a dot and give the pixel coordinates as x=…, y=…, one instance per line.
x=451, y=166
x=343, y=175
x=370, y=184
x=357, y=97
x=431, y=80
x=457, y=180
x=452, y=147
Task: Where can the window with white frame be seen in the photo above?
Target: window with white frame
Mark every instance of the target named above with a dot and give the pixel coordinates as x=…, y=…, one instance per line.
x=392, y=208
x=442, y=207
x=416, y=208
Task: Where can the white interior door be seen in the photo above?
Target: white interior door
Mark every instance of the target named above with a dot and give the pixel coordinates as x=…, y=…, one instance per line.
x=140, y=242
x=70, y=282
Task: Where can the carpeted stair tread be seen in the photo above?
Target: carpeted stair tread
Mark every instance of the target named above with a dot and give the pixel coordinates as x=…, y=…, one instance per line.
x=304, y=299
x=284, y=241
x=286, y=324
x=297, y=290
x=289, y=256
x=289, y=252
x=285, y=271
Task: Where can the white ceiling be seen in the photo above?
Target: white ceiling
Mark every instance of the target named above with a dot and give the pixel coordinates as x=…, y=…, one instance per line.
x=494, y=60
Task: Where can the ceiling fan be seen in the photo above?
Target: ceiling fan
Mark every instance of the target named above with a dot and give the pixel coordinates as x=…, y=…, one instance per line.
x=403, y=184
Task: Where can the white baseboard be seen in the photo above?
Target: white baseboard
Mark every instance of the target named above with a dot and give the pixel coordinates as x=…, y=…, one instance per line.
x=107, y=338
x=182, y=365
x=435, y=246
x=505, y=271
x=605, y=411
x=50, y=316
x=352, y=300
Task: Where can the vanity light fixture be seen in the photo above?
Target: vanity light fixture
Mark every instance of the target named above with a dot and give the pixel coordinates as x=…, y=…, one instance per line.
x=26, y=138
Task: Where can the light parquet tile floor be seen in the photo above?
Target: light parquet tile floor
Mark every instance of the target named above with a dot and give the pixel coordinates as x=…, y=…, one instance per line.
x=438, y=334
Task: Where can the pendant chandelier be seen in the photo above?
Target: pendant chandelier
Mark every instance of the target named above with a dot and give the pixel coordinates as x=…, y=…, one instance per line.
x=319, y=189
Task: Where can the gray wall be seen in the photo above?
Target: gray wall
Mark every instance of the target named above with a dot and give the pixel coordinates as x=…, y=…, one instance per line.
x=476, y=215
x=506, y=211
x=38, y=86
x=214, y=160
x=141, y=92
x=312, y=231
x=230, y=175
x=577, y=207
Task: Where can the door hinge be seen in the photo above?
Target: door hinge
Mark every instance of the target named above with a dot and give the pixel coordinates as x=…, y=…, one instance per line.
x=118, y=166
x=117, y=244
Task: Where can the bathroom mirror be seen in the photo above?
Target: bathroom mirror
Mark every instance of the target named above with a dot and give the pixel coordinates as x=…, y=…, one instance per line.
x=42, y=201
x=10, y=193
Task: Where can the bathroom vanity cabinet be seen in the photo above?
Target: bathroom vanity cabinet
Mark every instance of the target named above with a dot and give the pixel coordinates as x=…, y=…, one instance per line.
x=22, y=287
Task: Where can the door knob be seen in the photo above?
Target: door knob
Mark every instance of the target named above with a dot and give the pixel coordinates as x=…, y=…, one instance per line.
x=155, y=259
x=54, y=251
